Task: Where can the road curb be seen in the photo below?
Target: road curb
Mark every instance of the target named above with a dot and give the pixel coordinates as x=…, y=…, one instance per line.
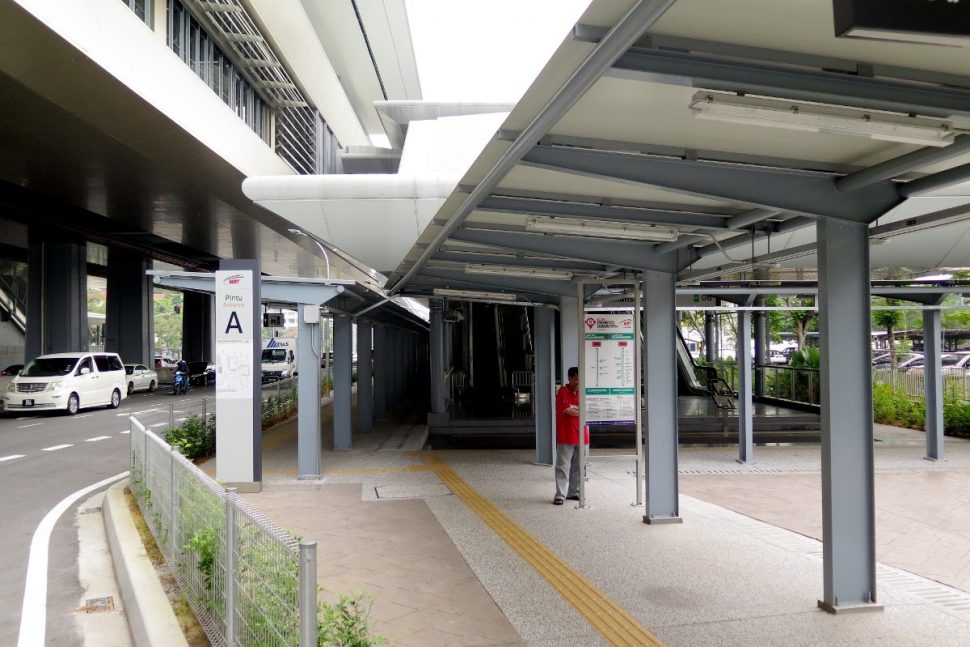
x=150, y=617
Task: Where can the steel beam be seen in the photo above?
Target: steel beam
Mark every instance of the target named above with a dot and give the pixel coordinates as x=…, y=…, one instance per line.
x=805, y=193
x=637, y=255
x=308, y=391
x=342, y=396
x=381, y=367
x=941, y=180
x=519, y=259
x=586, y=211
x=755, y=77
x=365, y=376
x=848, y=499
x=903, y=164
x=660, y=389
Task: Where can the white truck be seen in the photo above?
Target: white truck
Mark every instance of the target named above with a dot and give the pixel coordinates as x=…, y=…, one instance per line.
x=278, y=361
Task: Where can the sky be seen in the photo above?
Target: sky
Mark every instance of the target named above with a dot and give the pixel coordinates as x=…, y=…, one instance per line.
x=486, y=50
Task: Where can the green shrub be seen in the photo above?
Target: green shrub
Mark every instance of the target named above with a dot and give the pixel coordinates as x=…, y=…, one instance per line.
x=893, y=407
x=196, y=437
x=278, y=408
x=347, y=623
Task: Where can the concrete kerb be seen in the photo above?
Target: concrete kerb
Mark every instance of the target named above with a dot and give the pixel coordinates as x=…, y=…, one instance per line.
x=150, y=616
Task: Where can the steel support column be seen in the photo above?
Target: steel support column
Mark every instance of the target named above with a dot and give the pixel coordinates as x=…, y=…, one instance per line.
x=342, y=395
x=568, y=335
x=380, y=371
x=660, y=386
x=848, y=504
x=129, y=329
x=308, y=392
x=933, y=386
x=545, y=382
x=365, y=377
x=745, y=417
x=437, y=364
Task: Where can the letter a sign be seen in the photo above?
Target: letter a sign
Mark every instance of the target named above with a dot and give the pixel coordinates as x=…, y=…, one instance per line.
x=234, y=334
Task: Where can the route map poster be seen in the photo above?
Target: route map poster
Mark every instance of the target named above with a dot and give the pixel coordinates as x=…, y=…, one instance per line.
x=610, y=380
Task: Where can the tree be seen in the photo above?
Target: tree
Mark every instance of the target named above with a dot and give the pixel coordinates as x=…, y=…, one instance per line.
x=168, y=321
x=801, y=320
x=888, y=320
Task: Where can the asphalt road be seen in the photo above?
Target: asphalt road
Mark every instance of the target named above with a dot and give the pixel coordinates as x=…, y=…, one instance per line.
x=43, y=459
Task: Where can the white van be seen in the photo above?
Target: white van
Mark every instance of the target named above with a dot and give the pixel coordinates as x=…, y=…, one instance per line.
x=278, y=359
x=68, y=381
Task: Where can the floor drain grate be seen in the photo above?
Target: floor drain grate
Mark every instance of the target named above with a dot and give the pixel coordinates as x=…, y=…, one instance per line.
x=94, y=605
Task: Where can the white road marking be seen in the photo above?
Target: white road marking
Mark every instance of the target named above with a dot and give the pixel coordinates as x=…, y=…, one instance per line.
x=96, y=439
x=11, y=457
x=180, y=419
x=33, y=616
x=83, y=415
x=36, y=424
x=55, y=448
x=138, y=413
x=126, y=431
x=158, y=424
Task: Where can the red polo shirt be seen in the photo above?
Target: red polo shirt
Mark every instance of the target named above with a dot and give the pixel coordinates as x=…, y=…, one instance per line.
x=567, y=427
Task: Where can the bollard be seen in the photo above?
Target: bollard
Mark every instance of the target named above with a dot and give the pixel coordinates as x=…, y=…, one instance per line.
x=308, y=594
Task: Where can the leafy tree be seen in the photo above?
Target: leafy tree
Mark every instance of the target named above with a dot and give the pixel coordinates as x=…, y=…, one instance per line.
x=888, y=320
x=801, y=321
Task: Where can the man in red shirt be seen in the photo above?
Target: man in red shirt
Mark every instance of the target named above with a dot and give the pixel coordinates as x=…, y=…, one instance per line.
x=567, y=439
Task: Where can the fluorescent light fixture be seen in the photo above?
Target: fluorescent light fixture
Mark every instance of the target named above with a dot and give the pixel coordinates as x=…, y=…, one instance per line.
x=527, y=272
x=623, y=231
x=792, y=115
x=474, y=294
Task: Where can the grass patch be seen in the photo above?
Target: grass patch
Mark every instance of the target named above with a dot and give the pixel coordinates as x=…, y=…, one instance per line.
x=194, y=634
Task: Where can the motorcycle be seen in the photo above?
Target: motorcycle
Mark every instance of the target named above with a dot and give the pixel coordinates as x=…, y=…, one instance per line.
x=180, y=384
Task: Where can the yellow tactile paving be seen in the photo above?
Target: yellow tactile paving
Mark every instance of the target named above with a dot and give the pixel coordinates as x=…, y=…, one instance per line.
x=613, y=623
x=381, y=470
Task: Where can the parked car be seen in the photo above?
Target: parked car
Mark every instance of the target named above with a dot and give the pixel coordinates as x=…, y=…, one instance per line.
x=201, y=373
x=164, y=369
x=951, y=364
x=903, y=360
x=140, y=378
x=68, y=381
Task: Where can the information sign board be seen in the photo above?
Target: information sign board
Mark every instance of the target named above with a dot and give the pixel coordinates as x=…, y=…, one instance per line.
x=610, y=382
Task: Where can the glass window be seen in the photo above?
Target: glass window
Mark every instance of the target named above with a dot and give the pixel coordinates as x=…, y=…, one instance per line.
x=49, y=367
x=84, y=364
x=103, y=362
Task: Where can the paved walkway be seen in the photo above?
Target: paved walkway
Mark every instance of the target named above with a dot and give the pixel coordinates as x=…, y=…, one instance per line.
x=464, y=548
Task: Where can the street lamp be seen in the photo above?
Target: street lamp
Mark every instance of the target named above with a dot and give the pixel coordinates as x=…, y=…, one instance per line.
x=300, y=232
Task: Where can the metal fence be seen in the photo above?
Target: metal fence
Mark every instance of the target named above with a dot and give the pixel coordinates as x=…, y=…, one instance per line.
x=956, y=386
x=248, y=581
x=798, y=384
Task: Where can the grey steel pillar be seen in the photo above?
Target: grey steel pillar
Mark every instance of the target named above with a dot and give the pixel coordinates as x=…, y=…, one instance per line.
x=545, y=383
x=57, y=304
x=848, y=507
x=380, y=371
x=745, y=417
x=129, y=324
x=760, y=347
x=660, y=386
x=437, y=366
x=568, y=334
x=342, y=394
x=365, y=374
x=709, y=333
x=197, y=320
x=308, y=392
x=933, y=385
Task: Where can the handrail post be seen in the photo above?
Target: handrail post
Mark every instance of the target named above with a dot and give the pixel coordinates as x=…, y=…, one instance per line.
x=230, y=557
x=308, y=593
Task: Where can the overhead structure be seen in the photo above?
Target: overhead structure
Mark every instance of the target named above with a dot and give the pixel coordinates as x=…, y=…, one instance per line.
x=673, y=142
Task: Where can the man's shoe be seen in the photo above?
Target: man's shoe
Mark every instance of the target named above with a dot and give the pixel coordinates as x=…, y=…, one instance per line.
x=574, y=497
x=557, y=501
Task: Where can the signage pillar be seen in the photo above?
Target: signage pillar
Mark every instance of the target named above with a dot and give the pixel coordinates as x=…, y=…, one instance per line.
x=238, y=375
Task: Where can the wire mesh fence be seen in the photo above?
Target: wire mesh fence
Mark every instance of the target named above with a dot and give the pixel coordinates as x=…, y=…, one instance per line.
x=956, y=384
x=248, y=581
